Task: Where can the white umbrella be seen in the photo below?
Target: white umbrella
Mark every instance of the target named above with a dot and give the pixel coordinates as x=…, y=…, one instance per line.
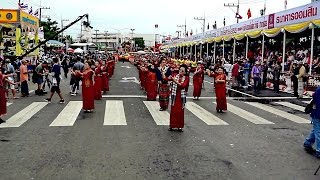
x=78, y=50
x=141, y=52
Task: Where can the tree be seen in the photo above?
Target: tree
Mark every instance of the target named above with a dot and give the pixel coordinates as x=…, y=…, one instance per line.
x=50, y=28
x=139, y=42
x=68, y=37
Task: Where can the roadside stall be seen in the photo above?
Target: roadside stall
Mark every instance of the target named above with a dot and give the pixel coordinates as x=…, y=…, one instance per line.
x=19, y=32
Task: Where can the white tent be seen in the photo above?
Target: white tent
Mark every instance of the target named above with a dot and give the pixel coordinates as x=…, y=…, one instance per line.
x=78, y=50
x=141, y=52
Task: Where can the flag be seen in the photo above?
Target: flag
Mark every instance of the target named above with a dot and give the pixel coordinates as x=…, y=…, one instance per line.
x=249, y=13
x=208, y=26
x=36, y=13
x=30, y=11
x=285, y=4
x=238, y=16
x=23, y=6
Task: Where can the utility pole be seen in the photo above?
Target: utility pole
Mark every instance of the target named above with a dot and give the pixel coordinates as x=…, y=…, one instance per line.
x=234, y=5
x=106, y=39
x=63, y=20
x=96, y=37
x=203, y=19
x=40, y=11
x=178, y=33
x=184, y=27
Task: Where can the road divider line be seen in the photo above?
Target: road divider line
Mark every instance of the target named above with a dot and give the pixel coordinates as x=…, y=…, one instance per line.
x=114, y=113
x=68, y=115
x=24, y=115
x=204, y=115
x=280, y=113
x=160, y=117
x=247, y=115
x=292, y=106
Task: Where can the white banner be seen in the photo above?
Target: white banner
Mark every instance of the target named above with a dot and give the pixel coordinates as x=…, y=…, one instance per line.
x=294, y=16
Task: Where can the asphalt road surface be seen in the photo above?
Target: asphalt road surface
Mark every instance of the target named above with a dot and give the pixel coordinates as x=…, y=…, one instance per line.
x=128, y=138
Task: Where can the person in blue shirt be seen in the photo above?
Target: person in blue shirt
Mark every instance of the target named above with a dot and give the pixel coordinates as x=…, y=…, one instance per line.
x=246, y=68
x=56, y=72
x=314, y=136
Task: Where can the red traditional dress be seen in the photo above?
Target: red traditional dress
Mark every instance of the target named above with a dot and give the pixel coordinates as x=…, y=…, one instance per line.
x=105, y=78
x=178, y=100
x=88, y=90
x=97, y=83
x=152, y=86
x=3, y=101
x=221, y=94
x=110, y=71
x=197, y=82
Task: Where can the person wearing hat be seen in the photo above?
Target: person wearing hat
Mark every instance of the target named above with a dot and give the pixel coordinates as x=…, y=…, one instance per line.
x=294, y=71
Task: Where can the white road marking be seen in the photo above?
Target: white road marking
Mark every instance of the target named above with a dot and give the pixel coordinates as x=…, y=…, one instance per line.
x=306, y=102
x=280, y=113
x=190, y=97
x=204, y=115
x=24, y=115
x=293, y=106
x=8, y=104
x=247, y=115
x=114, y=113
x=160, y=117
x=68, y=115
x=31, y=91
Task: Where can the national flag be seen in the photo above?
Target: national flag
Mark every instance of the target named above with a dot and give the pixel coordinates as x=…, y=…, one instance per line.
x=36, y=13
x=249, y=13
x=285, y=4
x=238, y=16
x=208, y=26
x=23, y=6
x=30, y=11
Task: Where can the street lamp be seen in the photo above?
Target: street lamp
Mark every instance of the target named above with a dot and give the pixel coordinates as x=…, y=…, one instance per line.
x=131, y=38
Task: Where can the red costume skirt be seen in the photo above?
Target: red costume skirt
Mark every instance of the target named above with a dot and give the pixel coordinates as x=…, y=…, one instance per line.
x=221, y=98
x=88, y=97
x=97, y=87
x=3, y=102
x=105, y=83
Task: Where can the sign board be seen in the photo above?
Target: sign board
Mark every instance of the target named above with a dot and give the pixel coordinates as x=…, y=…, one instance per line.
x=29, y=20
x=288, y=17
x=9, y=16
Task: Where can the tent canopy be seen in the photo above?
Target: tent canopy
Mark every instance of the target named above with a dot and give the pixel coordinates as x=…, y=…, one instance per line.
x=78, y=50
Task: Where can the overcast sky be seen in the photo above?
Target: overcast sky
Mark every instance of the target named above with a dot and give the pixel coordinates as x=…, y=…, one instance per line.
x=142, y=15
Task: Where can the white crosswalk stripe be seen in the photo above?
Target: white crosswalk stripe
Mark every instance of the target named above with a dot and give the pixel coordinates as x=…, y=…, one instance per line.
x=306, y=102
x=24, y=115
x=290, y=105
x=160, y=117
x=114, y=113
x=280, y=113
x=247, y=115
x=204, y=115
x=8, y=104
x=68, y=115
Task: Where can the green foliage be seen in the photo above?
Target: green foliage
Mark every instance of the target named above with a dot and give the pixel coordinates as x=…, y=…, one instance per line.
x=50, y=28
x=139, y=42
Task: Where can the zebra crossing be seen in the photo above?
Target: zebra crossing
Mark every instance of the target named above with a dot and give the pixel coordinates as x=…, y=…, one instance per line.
x=115, y=114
